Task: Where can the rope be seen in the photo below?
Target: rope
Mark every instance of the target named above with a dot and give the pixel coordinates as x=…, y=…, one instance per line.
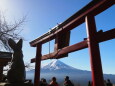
x=49, y=44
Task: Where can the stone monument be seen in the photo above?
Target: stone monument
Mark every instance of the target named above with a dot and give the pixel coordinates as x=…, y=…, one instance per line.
x=16, y=74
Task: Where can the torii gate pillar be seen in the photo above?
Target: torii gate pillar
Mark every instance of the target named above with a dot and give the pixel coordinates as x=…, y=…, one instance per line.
x=95, y=59
x=37, y=65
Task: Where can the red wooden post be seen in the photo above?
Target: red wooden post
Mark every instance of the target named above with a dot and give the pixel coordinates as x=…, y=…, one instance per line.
x=37, y=66
x=95, y=59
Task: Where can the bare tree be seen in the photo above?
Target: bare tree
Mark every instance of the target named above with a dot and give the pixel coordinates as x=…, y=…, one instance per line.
x=9, y=31
x=29, y=66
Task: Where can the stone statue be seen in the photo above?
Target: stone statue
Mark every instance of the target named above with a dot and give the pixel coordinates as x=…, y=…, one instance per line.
x=16, y=73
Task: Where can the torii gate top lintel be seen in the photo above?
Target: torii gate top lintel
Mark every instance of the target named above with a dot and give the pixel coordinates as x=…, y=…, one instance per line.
x=94, y=7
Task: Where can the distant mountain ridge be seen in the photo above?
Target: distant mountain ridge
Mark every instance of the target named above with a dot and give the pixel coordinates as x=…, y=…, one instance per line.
x=60, y=70
x=57, y=66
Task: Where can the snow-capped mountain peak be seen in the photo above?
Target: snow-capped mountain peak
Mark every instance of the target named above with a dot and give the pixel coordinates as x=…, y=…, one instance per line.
x=55, y=65
x=60, y=70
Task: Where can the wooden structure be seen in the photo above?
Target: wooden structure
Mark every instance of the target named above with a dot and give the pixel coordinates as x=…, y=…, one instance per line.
x=92, y=41
x=5, y=57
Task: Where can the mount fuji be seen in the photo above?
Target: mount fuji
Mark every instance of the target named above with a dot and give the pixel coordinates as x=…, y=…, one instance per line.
x=56, y=65
x=60, y=70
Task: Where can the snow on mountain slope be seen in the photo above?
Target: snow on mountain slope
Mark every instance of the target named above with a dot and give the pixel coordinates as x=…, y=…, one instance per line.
x=60, y=70
x=56, y=65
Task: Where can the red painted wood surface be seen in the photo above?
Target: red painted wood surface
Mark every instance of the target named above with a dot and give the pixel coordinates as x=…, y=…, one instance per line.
x=37, y=66
x=95, y=59
x=105, y=36
x=68, y=49
x=99, y=37
x=61, y=41
x=94, y=7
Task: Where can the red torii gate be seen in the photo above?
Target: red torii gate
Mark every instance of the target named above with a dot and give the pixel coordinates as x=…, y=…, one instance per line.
x=92, y=41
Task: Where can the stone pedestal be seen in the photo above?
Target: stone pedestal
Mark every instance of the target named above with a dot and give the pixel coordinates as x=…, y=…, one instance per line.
x=16, y=84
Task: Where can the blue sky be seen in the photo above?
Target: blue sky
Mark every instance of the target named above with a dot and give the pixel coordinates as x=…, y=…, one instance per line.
x=45, y=14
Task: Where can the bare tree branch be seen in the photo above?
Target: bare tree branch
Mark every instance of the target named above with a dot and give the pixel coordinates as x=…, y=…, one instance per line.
x=9, y=31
